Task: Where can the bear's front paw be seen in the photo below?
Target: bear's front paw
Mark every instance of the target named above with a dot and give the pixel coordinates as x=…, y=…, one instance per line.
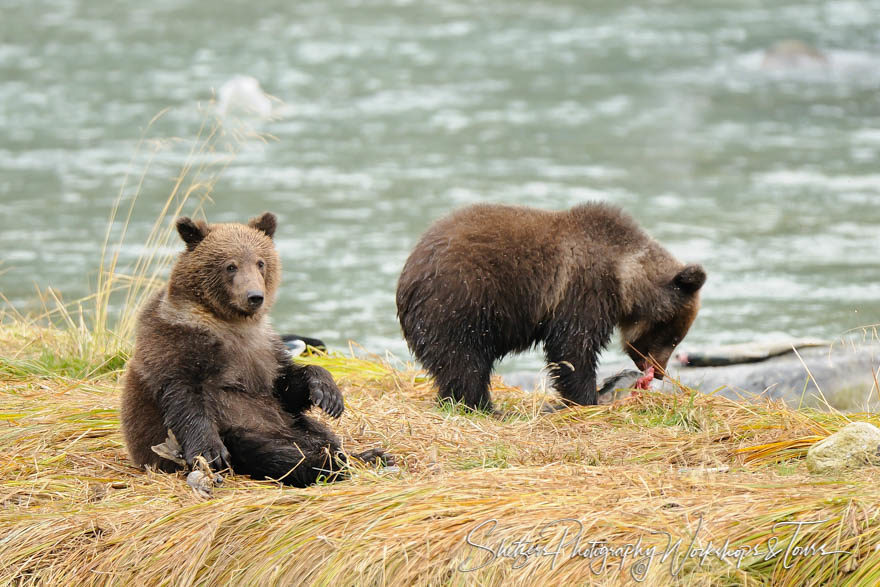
x=324, y=394
x=213, y=451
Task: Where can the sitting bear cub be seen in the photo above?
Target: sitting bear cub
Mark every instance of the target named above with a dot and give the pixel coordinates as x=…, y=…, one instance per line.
x=489, y=280
x=208, y=366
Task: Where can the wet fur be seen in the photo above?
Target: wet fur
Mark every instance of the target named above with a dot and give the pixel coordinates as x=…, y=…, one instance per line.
x=212, y=369
x=489, y=280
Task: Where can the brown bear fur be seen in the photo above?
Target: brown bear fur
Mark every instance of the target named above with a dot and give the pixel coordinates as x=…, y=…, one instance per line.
x=489, y=280
x=208, y=366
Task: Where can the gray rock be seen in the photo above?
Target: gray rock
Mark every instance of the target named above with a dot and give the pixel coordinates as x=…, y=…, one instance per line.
x=750, y=352
x=855, y=445
x=843, y=373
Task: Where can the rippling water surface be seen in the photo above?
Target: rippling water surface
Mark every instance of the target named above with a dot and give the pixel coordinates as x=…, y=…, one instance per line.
x=393, y=113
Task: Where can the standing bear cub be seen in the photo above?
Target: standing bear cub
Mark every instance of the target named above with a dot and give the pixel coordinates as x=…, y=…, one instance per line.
x=489, y=280
x=208, y=366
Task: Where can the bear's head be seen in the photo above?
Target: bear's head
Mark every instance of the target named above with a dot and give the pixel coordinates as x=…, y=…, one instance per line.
x=655, y=328
x=231, y=270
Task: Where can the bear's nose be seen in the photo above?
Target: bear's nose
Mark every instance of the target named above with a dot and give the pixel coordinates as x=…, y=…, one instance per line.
x=255, y=298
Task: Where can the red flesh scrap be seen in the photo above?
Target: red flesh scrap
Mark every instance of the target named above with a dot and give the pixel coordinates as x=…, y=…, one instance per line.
x=644, y=382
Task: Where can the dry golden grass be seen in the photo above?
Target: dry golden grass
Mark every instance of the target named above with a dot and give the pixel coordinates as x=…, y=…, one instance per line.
x=74, y=511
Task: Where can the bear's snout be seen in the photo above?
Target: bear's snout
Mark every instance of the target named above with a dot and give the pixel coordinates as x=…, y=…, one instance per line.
x=255, y=299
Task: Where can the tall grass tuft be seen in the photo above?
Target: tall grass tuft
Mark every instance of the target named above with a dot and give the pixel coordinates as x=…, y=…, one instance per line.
x=98, y=328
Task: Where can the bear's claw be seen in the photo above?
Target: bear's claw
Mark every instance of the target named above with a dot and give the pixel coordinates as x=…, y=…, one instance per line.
x=327, y=396
x=375, y=455
x=216, y=455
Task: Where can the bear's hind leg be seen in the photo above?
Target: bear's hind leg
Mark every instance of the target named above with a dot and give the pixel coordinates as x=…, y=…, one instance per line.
x=299, y=458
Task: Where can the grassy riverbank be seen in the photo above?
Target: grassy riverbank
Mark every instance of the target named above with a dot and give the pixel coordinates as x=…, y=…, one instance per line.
x=76, y=512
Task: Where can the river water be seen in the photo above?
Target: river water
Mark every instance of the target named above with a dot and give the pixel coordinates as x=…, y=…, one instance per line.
x=390, y=114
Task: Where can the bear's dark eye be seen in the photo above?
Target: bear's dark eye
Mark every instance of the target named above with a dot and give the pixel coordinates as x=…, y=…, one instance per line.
x=231, y=268
x=260, y=264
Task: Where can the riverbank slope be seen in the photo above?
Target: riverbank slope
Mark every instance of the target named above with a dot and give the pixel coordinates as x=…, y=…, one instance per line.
x=528, y=499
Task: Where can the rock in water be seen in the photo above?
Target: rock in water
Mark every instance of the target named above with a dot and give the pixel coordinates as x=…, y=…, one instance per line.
x=793, y=54
x=855, y=445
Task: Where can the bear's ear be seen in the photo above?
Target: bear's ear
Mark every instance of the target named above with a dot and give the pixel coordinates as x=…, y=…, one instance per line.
x=690, y=279
x=265, y=223
x=192, y=232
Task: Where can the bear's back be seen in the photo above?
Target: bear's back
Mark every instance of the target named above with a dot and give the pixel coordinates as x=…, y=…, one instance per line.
x=534, y=256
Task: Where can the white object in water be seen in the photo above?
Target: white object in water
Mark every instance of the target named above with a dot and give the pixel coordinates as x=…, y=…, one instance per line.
x=243, y=94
